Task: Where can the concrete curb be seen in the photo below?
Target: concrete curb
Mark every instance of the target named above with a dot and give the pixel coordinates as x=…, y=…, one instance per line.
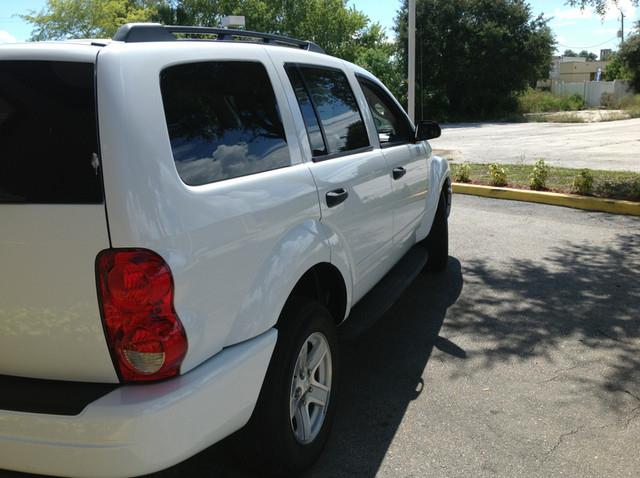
x=613, y=206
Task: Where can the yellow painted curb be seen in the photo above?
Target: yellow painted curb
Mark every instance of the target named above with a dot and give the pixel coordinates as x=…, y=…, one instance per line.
x=614, y=206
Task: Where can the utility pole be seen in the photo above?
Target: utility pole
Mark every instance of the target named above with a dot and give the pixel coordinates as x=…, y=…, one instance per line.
x=622, y=29
x=411, y=96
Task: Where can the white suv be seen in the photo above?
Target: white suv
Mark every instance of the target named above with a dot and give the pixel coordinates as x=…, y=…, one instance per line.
x=187, y=215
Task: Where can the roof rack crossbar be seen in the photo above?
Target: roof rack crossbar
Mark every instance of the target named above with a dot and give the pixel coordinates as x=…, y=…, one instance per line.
x=154, y=32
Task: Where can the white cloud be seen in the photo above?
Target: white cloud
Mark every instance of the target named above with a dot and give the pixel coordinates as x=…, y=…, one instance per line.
x=563, y=24
x=608, y=32
x=613, y=11
x=6, y=37
x=572, y=14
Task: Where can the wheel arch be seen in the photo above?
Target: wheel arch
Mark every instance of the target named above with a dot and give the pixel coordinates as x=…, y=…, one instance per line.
x=324, y=282
x=440, y=180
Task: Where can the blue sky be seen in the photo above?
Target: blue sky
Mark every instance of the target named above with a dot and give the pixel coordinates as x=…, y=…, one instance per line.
x=573, y=29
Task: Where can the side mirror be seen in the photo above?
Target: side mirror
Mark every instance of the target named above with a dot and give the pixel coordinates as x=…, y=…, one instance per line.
x=427, y=130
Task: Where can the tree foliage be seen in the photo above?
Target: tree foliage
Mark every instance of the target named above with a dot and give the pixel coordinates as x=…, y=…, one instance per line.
x=616, y=69
x=600, y=6
x=340, y=30
x=475, y=55
x=630, y=58
x=61, y=19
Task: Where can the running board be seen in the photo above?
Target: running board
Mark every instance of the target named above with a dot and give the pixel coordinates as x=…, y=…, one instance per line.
x=384, y=294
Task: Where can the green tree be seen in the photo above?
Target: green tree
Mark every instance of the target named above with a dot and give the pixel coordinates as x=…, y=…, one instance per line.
x=342, y=31
x=476, y=55
x=588, y=55
x=616, y=69
x=61, y=19
x=630, y=57
x=569, y=53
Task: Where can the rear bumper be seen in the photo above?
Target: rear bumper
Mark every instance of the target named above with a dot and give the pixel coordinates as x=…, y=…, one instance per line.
x=136, y=430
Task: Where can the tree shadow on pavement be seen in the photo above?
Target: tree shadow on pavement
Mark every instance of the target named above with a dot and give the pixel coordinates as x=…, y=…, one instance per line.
x=581, y=294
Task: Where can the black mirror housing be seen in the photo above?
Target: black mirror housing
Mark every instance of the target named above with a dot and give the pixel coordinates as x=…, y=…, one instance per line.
x=427, y=130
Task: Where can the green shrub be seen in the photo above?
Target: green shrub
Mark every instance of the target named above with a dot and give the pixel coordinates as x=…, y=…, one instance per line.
x=608, y=101
x=462, y=173
x=538, y=178
x=535, y=101
x=574, y=102
x=498, y=175
x=631, y=104
x=583, y=183
x=625, y=188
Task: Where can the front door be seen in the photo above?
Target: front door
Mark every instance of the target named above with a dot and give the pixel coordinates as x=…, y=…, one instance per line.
x=352, y=177
x=408, y=161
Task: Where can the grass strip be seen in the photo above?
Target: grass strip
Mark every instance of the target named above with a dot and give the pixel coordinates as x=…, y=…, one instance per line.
x=606, y=184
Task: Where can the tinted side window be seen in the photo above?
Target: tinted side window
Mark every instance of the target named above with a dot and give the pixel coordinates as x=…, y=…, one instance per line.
x=309, y=116
x=337, y=109
x=223, y=121
x=48, y=138
x=391, y=123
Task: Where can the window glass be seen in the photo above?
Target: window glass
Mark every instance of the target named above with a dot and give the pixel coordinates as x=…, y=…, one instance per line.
x=391, y=123
x=223, y=121
x=337, y=109
x=48, y=138
x=308, y=114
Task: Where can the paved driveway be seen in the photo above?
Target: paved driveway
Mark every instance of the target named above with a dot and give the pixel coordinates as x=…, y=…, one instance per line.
x=613, y=145
x=522, y=360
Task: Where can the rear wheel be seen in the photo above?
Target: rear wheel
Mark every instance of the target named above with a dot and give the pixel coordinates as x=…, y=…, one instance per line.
x=437, y=242
x=293, y=417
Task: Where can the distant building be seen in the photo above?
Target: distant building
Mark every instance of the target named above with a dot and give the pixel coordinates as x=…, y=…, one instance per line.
x=575, y=70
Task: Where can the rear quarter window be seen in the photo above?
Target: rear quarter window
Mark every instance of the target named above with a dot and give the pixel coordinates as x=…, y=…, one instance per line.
x=48, y=136
x=223, y=120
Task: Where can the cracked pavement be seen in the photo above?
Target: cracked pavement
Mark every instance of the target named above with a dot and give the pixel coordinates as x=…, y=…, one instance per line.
x=522, y=360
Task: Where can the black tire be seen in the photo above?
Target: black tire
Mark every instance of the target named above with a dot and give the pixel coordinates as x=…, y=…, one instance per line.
x=269, y=441
x=437, y=242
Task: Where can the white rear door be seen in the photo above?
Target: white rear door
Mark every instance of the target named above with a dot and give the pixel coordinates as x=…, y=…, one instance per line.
x=52, y=219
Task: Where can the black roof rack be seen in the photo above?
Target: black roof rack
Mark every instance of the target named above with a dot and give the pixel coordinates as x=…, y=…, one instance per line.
x=154, y=32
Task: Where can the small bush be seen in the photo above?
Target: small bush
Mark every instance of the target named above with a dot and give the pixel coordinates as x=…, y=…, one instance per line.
x=608, y=100
x=625, y=188
x=534, y=101
x=583, y=183
x=498, y=175
x=574, y=102
x=539, y=176
x=462, y=173
x=631, y=104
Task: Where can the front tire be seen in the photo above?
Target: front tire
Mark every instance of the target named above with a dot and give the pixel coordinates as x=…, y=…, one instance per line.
x=292, y=420
x=437, y=242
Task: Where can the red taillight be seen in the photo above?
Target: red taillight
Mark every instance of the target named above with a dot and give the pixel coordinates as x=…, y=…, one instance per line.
x=145, y=335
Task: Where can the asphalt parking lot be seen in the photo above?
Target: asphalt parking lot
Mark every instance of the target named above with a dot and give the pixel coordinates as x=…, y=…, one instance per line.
x=523, y=359
x=610, y=145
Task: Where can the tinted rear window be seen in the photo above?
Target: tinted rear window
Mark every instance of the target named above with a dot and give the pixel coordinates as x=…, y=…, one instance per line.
x=48, y=139
x=223, y=121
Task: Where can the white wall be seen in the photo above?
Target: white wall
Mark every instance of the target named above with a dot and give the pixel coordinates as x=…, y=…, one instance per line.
x=591, y=91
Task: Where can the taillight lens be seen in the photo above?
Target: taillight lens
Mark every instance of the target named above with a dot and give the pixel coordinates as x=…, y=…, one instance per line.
x=145, y=336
